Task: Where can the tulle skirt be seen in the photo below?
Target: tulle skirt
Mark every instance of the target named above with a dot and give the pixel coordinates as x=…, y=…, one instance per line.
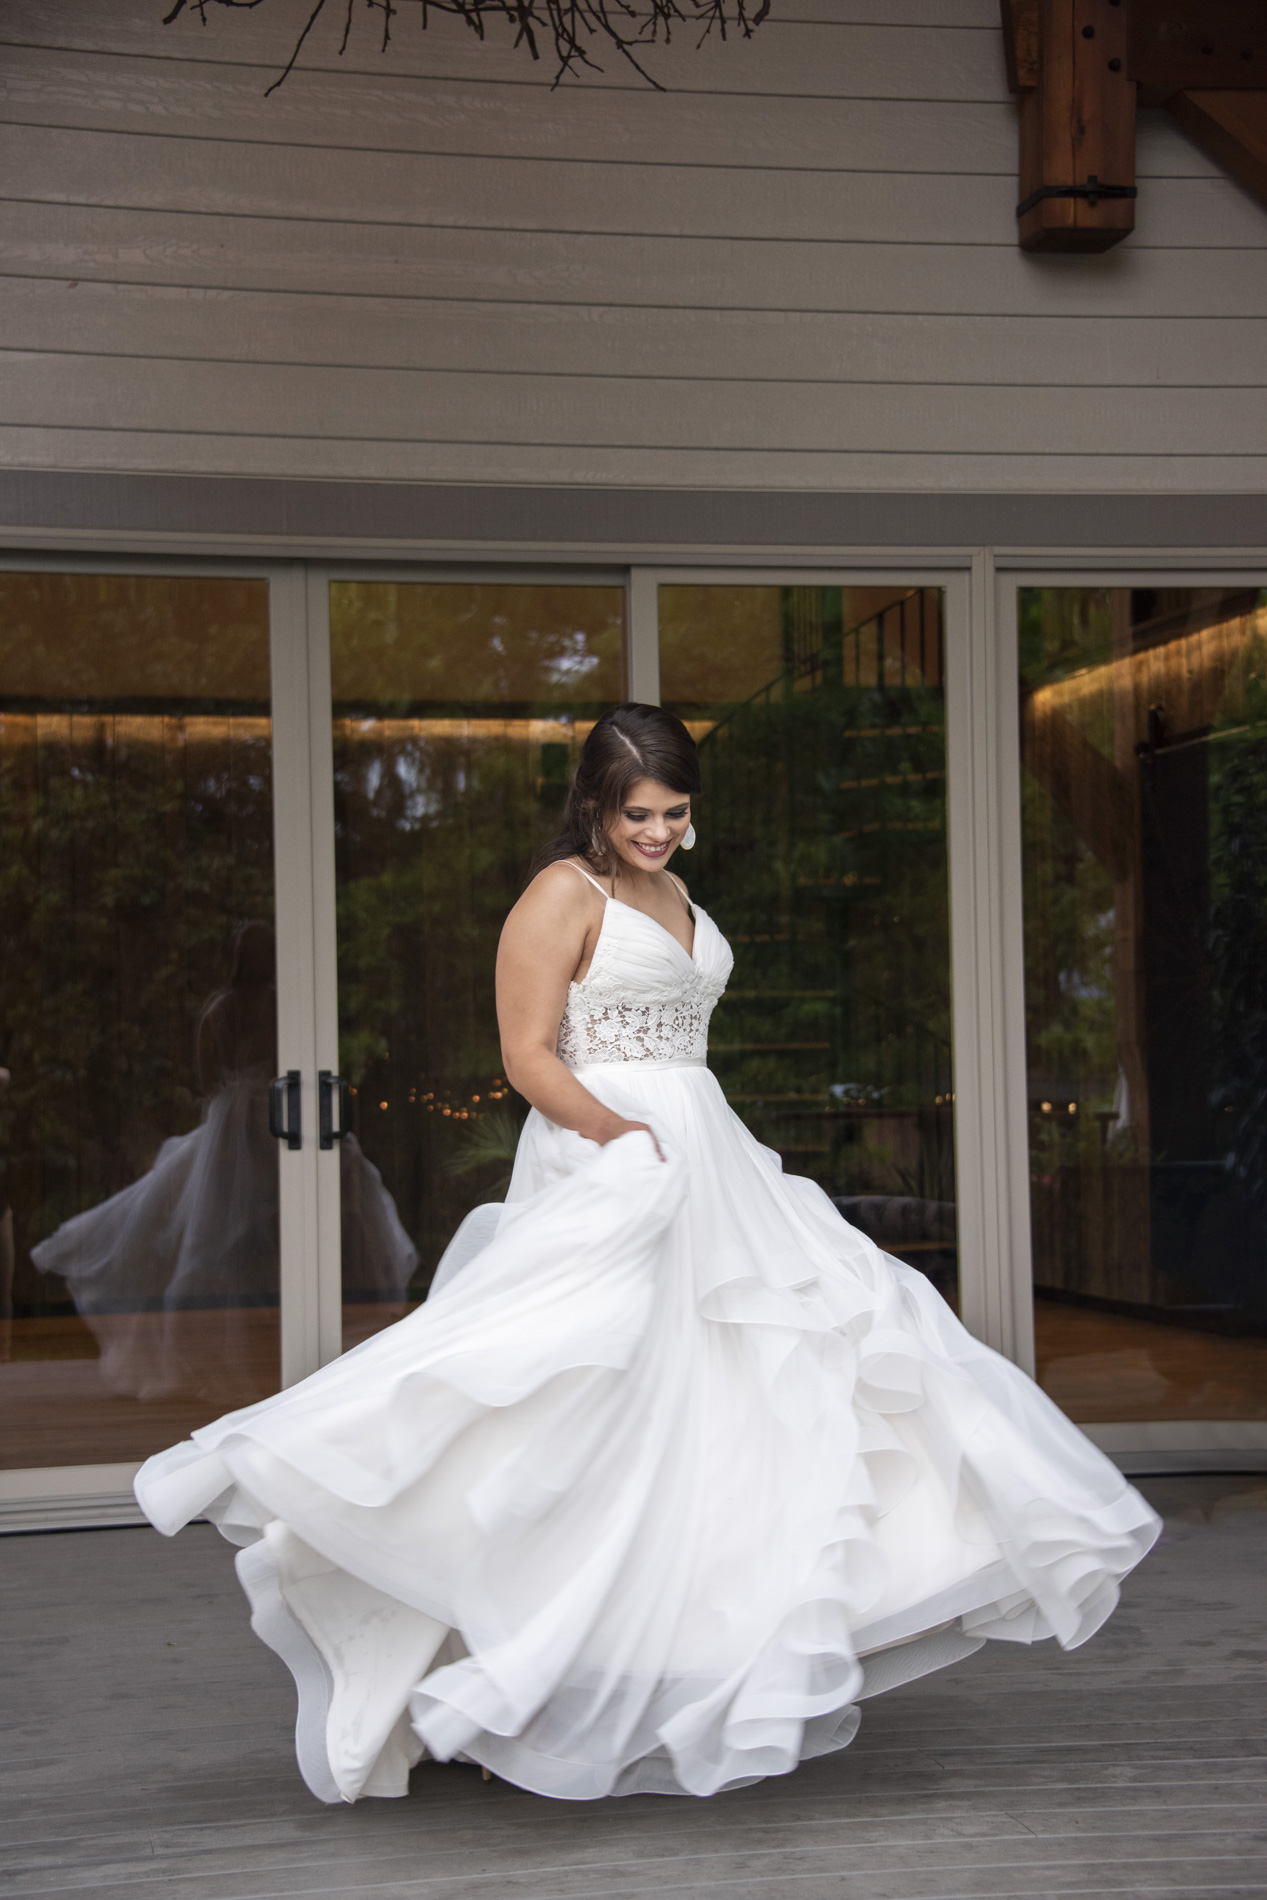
x=669, y=1476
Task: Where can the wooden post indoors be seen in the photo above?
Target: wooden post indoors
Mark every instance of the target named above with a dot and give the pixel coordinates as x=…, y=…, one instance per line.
x=1078, y=131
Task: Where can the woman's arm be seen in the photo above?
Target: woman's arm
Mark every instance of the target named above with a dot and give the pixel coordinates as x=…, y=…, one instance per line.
x=542, y=944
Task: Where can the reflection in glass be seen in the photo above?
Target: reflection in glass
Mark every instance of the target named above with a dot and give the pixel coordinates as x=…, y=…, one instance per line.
x=194, y=1238
x=137, y=1012
x=820, y=717
x=458, y=713
x=1144, y=742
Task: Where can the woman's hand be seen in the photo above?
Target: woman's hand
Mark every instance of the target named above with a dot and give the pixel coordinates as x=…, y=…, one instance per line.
x=619, y=1126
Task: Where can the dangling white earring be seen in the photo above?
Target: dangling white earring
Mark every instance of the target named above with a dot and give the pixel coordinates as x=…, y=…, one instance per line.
x=688, y=838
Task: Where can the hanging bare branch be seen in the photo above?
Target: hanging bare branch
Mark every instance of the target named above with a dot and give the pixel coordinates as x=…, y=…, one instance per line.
x=577, y=29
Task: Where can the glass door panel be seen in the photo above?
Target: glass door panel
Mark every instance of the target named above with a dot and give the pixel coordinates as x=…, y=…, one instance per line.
x=820, y=718
x=138, y=1180
x=1144, y=748
x=459, y=711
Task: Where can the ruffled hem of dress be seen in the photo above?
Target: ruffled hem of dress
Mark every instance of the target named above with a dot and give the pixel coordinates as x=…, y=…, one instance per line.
x=656, y=1771
x=553, y=1320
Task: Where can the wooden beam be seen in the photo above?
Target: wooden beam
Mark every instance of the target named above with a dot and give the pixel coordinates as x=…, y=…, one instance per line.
x=1020, y=43
x=1080, y=67
x=1206, y=45
x=1230, y=128
x=1077, y=130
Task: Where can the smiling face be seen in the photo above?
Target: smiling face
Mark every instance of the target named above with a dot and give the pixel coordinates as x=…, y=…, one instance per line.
x=650, y=825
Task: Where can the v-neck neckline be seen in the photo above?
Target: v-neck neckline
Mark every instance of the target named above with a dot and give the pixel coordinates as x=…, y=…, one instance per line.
x=662, y=928
x=693, y=911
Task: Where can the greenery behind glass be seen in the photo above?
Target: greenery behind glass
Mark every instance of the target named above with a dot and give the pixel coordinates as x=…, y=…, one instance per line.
x=822, y=856
x=459, y=715
x=136, y=834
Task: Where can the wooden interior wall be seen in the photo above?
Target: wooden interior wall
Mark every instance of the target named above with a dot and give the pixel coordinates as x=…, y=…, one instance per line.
x=797, y=267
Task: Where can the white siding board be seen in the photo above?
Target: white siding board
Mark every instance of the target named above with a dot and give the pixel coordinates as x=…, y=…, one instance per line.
x=659, y=272
x=592, y=123
x=597, y=126
x=577, y=466
x=226, y=177
x=1163, y=151
x=42, y=315
x=1196, y=214
x=650, y=412
x=934, y=13
x=133, y=28
x=798, y=268
x=876, y=59
x=113, y=169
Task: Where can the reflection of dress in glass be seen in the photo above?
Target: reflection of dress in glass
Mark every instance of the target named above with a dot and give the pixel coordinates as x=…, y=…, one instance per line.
x=167, y=1271
x=665, y=1477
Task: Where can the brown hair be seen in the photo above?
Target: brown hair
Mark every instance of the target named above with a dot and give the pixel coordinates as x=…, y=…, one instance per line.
x=628, y=743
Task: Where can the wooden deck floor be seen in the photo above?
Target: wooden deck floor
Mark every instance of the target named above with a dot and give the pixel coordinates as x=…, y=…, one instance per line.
x=146, y=1752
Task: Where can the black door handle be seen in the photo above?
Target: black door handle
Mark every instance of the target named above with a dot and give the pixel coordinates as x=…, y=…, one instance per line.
x=327, y=1083
x=285, y=1112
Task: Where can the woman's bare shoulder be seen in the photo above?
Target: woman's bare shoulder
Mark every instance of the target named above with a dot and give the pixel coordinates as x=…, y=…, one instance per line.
x=559, y=891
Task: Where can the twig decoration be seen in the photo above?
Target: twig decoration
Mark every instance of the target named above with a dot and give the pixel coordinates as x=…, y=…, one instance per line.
x=576, y=27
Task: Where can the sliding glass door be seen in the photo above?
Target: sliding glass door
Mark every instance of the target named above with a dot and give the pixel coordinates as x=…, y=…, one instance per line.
x=139, y=1206
x=258, y=834
x=458, y=711
x=1143, y=729
x=820, y=715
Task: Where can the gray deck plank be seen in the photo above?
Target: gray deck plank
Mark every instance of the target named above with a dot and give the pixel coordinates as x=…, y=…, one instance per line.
x=987, y=1861
x=148, y=1751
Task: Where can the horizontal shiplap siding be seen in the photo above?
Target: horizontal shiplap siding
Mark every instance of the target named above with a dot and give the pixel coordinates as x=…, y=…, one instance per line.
x=795, y=267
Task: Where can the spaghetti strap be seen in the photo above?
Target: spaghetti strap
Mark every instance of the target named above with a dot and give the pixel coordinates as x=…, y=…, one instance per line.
x=591, y=880
x=681, y=890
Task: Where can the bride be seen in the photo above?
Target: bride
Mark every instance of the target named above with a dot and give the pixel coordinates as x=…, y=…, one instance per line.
x=674, y=1467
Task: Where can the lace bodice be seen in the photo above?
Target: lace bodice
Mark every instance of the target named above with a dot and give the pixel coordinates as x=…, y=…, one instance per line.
x=644, y=998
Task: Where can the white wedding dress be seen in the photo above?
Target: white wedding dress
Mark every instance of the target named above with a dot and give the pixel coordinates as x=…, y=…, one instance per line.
x=672, y=1471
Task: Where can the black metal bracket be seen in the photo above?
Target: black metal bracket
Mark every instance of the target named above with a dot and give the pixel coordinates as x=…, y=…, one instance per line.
x=1092, y=191
x=327, y=1133
x=285, y=1109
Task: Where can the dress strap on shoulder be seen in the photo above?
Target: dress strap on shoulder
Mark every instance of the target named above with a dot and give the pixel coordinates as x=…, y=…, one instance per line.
x=680, y=888
x=589, y=880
